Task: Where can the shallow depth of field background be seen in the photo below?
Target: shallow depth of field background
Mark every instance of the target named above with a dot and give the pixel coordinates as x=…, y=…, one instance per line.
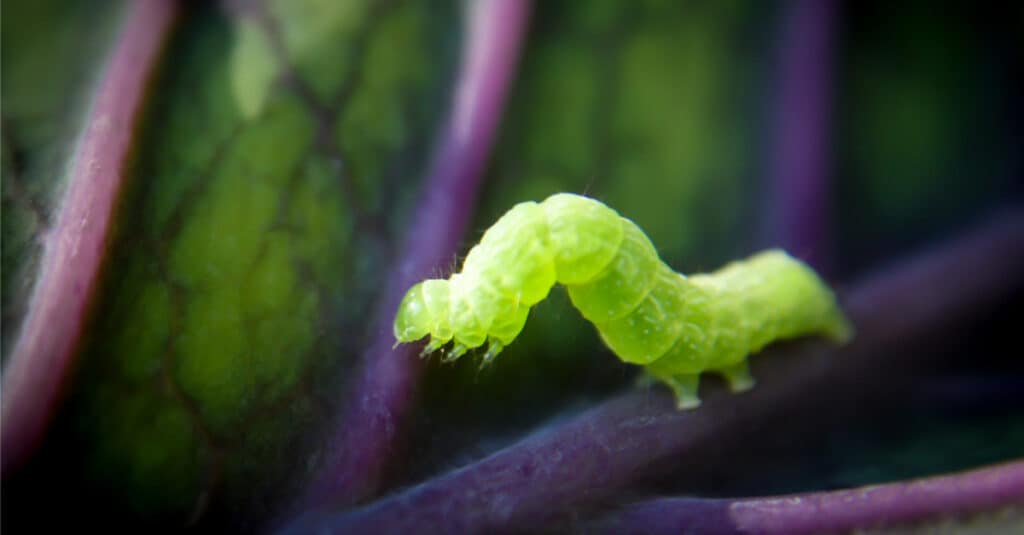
x=668, y=111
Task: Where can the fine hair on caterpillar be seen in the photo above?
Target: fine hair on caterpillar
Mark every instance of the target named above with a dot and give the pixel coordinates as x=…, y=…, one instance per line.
x=673, y=325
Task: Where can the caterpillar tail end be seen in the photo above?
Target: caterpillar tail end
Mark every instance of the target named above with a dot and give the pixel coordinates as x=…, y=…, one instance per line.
x=840, y=330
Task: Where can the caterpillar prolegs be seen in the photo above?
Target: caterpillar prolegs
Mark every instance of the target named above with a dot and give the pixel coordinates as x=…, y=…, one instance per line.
x=675, y=326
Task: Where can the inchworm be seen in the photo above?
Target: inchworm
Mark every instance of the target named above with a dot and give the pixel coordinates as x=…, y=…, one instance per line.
x=676, y=327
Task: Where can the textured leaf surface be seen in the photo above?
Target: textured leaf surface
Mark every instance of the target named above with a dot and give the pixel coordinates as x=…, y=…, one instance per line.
x=251, y=244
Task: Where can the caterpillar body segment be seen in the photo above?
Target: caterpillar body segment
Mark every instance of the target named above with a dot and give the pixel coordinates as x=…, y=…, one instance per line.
x=677, y=327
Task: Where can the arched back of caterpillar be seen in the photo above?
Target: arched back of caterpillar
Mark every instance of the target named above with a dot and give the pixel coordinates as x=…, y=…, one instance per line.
x=676, y=327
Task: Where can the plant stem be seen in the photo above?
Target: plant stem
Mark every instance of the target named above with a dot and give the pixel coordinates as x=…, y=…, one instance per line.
x=588, y=459
x=73, y=250
x=826, y=512
x=366, y=438
x=799, y=202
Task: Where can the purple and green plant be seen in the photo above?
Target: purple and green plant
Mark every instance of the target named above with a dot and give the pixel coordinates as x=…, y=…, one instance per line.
x=210, y=212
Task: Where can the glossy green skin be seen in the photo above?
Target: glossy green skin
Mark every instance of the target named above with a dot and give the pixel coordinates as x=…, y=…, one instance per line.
x=676, y=327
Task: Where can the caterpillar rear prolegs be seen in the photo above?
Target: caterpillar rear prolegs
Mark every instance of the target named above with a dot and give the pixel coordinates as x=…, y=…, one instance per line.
x=677, y=327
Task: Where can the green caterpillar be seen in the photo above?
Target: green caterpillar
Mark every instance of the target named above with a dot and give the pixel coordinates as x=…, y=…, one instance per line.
x=675, y=326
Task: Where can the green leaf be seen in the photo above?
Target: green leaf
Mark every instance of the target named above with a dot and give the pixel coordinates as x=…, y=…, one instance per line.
x=251, y=243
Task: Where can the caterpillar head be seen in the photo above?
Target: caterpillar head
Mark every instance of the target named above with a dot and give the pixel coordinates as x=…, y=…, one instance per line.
x=423, y=311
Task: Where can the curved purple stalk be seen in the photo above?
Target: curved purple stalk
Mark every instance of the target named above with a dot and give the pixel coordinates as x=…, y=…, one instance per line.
x=591, y=457
x=365, y=437
x=798, y=211
x=826, y=512
x=73, y=250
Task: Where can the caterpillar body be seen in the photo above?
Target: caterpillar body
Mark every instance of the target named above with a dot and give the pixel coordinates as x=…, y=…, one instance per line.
x=675, y=326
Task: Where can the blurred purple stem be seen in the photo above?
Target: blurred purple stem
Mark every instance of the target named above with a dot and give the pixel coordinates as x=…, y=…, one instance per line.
x=367, y=435
x=966, y=394
x=825, y=512
x=798, y=213
x=73, y=249
x=549, y=474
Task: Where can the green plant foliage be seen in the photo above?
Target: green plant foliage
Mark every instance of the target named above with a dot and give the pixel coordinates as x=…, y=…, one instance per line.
x=250, y=244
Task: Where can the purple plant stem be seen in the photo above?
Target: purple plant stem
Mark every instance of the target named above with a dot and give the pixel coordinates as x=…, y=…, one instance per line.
x=969, y=394
x=73, y=250
x=826, y=512
x=366, y=437
x=798, y=211
x=588, y=459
